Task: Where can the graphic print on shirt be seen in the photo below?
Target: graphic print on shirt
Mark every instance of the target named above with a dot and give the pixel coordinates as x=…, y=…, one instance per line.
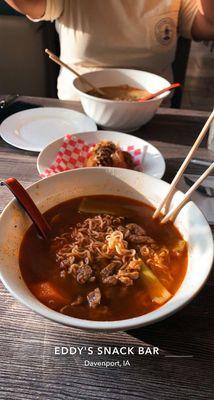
x=165, y=31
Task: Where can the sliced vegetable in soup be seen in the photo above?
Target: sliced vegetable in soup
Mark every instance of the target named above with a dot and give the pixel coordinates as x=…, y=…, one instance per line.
x=106, y=259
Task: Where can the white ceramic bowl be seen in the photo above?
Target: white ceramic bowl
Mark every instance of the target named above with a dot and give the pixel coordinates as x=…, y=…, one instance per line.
x=88, y=181
x=121, y=115
x=153, y=163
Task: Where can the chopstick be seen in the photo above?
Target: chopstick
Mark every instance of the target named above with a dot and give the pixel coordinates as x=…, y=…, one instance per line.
x=56, y=59
x=184, y=165
x=153, y=95
x=171, y=214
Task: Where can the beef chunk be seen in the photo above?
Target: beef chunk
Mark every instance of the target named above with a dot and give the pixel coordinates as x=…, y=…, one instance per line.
x=107, y=274
x=136, y=234
x=110, y=280
x=94, y=298
x=84, y=273
x=128, y=273
x=108, y=270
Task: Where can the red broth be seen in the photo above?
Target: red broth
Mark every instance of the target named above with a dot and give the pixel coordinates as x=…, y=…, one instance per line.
x=61, y=284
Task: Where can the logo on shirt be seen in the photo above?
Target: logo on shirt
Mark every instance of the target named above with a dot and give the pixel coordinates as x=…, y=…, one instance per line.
x=165, y=31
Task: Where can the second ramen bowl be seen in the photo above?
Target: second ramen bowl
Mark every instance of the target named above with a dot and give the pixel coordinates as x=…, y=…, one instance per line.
x=119, y=114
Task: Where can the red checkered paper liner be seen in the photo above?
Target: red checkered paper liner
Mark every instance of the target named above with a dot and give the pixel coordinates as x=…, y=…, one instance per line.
x=74, y=152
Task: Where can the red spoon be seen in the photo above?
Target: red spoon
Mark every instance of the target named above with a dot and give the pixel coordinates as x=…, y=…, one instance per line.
x=28, y=204
x=150, y=96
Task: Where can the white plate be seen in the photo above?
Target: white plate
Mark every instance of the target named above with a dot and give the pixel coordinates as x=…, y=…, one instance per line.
x=153, y=163
x=34, y=129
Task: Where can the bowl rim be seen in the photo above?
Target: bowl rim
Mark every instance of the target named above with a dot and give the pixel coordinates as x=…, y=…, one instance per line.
x=101, y=100
x=125, y=324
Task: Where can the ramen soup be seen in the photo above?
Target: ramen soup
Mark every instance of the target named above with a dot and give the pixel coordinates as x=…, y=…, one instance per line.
x=121, y=92
x=106, y=259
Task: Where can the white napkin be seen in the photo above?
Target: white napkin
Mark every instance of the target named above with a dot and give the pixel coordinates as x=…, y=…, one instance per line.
x=206, y=204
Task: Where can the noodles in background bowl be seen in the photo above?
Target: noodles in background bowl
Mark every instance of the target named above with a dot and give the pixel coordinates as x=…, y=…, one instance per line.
x=120, y=92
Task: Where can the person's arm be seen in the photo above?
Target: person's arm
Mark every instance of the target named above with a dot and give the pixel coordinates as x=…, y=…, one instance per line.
x=32, y=8
x=203, y=24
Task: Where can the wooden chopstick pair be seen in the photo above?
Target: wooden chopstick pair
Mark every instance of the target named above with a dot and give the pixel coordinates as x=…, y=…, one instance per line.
x=57, y=60
x=165, y=202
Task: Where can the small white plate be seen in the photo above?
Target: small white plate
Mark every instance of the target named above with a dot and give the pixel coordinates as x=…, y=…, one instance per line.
x=153, y=163
x=34, y=129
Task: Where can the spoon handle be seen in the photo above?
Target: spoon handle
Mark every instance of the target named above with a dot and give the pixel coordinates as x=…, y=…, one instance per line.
x=152, y=95
x=28, y=204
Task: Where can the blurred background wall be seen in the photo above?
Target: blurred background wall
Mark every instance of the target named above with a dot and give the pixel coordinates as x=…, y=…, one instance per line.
x=24, y=67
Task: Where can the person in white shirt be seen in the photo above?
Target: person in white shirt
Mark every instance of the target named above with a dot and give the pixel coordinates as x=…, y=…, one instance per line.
x=139, y=34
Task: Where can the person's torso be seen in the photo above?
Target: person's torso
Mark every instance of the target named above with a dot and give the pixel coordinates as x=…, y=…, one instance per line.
x=138, y=34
